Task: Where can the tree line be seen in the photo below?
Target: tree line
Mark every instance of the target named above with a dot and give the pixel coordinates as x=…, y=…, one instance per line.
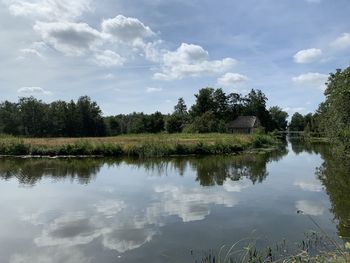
x=332, y=118
x=212, y=111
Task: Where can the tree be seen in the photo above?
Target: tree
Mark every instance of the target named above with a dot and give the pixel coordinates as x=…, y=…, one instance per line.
x=178, y=120
x=10, y=121
x=204, y=102
x=335, y=111
x=297, y=122
x=279, y=118
x=180, y=107
x=255, y=104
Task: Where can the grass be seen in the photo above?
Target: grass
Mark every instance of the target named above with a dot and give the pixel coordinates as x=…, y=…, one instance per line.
x=142, y=145
x=316, y=247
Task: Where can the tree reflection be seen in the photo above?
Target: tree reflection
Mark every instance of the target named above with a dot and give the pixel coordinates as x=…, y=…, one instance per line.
x=30, y=171
x=334, y=174
x=210, y=170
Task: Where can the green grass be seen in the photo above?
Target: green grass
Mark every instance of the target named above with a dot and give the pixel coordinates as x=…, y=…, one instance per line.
x=143, y=145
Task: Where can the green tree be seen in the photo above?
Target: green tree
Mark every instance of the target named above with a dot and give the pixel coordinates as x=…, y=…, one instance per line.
x=335, y=111
x=279, y=118
x=297, y=122
x=255, y=105
x=10, y=121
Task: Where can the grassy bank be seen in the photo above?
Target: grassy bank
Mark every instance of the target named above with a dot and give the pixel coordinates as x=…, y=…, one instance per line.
x=144, y=145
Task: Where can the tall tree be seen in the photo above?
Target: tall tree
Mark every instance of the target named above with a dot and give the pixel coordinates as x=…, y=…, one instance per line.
x=279, y=118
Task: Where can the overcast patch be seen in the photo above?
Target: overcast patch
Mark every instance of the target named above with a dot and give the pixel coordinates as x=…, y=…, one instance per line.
x=74, y=39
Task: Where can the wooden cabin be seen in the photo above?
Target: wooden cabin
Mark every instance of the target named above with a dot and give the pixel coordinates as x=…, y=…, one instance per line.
x=243, y=124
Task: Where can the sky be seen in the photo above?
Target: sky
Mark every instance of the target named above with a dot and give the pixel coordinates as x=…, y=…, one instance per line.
x=142, y=55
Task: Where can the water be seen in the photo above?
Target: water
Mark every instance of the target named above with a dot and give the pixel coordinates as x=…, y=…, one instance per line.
x=167, y=210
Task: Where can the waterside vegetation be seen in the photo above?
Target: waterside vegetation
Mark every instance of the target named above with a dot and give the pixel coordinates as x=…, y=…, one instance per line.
x=143, y=145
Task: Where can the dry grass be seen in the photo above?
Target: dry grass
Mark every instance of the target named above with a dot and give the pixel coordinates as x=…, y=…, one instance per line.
x=135, y=139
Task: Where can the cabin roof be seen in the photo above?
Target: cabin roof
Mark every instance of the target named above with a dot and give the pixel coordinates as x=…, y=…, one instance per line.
x=243, y=122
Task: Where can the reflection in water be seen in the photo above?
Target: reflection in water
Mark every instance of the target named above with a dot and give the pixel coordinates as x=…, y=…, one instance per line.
x=138, y=209
x=211, y=170
x=335, y=176
x=30, y=171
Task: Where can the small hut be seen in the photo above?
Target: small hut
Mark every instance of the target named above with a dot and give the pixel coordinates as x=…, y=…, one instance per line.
x=243, y=124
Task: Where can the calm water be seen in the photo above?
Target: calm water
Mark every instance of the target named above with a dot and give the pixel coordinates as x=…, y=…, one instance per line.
x=102, y=210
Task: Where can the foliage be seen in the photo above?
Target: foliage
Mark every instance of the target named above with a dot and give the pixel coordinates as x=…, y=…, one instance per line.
x=279, y=118
x=211, y=112
x=335, y=110
x=297, y=122
x=138, y=146
x=34, y=118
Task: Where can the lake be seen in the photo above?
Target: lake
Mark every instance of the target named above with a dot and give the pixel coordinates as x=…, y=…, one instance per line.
x=169, y=209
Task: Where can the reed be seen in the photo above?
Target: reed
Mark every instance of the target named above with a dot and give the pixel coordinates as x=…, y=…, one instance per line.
x=143, y=146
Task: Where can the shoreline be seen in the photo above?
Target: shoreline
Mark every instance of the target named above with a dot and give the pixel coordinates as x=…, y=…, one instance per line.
x=142, y=146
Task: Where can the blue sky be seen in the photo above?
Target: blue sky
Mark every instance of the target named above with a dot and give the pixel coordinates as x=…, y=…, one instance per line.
x=142, y=55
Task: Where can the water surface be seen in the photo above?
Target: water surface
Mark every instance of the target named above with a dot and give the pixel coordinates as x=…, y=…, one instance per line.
x=159, y=210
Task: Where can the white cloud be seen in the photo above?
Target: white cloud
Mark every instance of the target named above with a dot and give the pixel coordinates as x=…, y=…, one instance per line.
x=110, y=208
x=292, y=110
x=51, y=10
x=236, y=186
x=36, y=49
x=308, y=55
x=73, y=39
x=126, y=29
x=33, y=90
x=190, y=60
x=190, y=204
x=108, y=58
x=151, y=90
x=312, y=79
x=312, y=186
x=310, y=208
x=342, y=42
x=231, y=79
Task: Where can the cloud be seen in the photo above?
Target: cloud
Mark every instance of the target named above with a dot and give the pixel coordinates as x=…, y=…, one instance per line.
x=190, y=204
x=236, y=186
x=190, y=60
x=36, y=49
x=292, y=110
x=73, y=39
x=231, y=79
x=310, y=208
x=33, y=90
x=51, y=10
x=308, y=55
x=126, y=29
x=312, y=79
x=151, y=90
x=342, y=42
x=312, y=186
x=108, y=58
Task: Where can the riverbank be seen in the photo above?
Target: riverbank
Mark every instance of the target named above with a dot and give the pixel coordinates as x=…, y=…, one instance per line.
x=143, y=145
